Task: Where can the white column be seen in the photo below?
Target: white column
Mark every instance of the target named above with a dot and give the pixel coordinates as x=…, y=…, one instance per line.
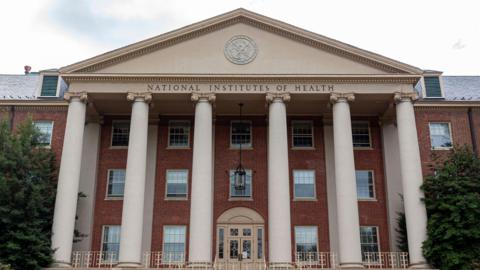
x=201, y=206
x=279, y=225
x=133, y=199
x=346, y=186
x=412, y=178
x=68, y=180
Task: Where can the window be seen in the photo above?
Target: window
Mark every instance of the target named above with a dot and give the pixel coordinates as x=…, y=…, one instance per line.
x=179, y=134
x=244, y=193
x=177, y=183
x=369, y=242
x=432, y=87
x=174, y=243
x=49, y=86
x=45, y=128
x=440, y=137
x=302, y=134
x=361, y=134
x=365, y=185
x=241, y=134
x=304, y=184
x=305, y=242
x=116, y=183
x=120, y=131
x=111, y=242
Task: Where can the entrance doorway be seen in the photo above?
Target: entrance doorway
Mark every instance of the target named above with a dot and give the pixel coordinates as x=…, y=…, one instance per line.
x=240, y=239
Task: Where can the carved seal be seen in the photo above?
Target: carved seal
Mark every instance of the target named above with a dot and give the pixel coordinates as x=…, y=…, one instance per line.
x=240, y=50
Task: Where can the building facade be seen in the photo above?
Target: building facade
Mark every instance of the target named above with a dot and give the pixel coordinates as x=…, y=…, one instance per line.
x=330, y=136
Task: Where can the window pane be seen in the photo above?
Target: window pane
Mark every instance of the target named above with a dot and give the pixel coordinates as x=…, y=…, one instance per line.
x=440, y=135
x=116, y=183
x=304, y=184
x=369, y=241
x=45, y=128
x=365, y=186
x=302, y=133
x=259, y=243
x=120, y=133
x=177, y=181
x=306, y=241
x=241, y=134
x=173, y=243
x=247, y=192
x=179, y=133
x=111, y=242
x=361, y=134
x=221, y=239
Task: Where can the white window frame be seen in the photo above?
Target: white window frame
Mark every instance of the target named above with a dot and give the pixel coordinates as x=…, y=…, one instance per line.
x=369, y=136
x=237, y=146
x=310, y=122
x=378, y=238
x=103, y=260
x=374, y=198
x=111, y=135
x=424, y=88
x=449, y=130
x=304, y=226
x=166, y=185
x=188, y=125
x=49, y=145
x=295, y=197
x=240, y=198
x=184, y=240
x=40, y=84
x=109, y=197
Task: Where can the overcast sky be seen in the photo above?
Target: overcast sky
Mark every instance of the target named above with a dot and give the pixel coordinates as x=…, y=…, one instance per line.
x=441, y=35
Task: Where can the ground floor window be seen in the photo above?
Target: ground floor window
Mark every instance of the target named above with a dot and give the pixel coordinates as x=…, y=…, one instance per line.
x=111, y=242
x=174, y=243
x=369, y=242
x=305, y=242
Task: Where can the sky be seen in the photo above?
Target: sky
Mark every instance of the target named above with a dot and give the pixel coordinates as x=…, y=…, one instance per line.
x=440, y=35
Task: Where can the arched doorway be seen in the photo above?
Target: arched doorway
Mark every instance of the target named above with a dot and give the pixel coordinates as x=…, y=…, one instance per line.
x=240, y=237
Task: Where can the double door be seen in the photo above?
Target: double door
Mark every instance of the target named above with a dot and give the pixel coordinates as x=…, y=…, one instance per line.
x=242, y=243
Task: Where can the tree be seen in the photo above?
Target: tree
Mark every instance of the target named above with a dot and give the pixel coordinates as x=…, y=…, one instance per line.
x=27, y=195
x=452, y=199
x=401, y=229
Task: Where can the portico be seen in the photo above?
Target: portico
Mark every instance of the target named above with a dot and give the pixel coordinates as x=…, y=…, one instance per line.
x=283, y=73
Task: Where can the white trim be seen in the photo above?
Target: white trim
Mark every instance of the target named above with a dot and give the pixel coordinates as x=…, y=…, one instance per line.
x=165, y=226
x=51, y=134
x=374, y=198
x=450, y=133
x=113, y=198
x=237, y=146
x=378, y=236
x=292, y=123
x=166, y=198
x=304, y=226
x=103, y=235
x=111, y=134
x=40, y=84
x=295, y=197
x=424, y=88
x=188, y=125
x=370, y=147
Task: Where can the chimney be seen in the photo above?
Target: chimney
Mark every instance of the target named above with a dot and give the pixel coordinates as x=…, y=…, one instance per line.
x=27, y=69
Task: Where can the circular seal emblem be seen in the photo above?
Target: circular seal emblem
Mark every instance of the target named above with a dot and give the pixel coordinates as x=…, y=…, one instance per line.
x=240, y=50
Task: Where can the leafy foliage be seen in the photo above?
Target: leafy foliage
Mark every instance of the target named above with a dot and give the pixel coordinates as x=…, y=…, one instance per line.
x=27, y=194
x=452, y=198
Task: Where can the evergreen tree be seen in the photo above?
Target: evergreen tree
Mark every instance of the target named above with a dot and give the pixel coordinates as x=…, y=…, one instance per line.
x=452, y=198
x=27, y=194
x=401, y=229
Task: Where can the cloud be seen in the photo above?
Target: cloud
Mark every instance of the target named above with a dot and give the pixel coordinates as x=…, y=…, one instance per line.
x=459, y=45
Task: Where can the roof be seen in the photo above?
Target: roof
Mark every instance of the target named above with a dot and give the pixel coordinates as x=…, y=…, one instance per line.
x=458, y=88
x=18, y=87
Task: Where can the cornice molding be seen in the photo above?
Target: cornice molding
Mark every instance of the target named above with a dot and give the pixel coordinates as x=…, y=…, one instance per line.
x=48, y=108
x=241, y=16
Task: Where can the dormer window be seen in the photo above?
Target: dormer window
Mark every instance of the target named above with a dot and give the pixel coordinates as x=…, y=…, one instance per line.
x=49, y=86
x=433, y=87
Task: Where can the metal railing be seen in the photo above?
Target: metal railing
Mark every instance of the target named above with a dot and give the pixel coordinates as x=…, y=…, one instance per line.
x=239, y=265
x=316, y=260
x=94, y=259
x=386, y=260
x=158, y=259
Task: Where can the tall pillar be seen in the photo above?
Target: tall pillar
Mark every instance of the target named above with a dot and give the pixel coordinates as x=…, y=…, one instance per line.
x=201, y=206
x=133, y=199
x=412, y=178
x=345, y=182
x=279, y=227
x=68, y=180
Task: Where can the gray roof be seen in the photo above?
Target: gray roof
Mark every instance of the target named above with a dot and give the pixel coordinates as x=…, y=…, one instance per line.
x=458, y=88
x=19, y=87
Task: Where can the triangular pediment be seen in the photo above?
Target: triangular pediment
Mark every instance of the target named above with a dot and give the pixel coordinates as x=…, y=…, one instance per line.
x=279, y=48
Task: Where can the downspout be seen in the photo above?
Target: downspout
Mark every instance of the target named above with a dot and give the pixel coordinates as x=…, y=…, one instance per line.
x=473, y=134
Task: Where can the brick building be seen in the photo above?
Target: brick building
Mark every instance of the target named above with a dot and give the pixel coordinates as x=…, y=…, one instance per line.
x=329, y=136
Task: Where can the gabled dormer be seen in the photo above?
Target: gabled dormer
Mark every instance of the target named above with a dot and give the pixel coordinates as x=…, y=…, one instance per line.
x=51, y=84
x=432, y=86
